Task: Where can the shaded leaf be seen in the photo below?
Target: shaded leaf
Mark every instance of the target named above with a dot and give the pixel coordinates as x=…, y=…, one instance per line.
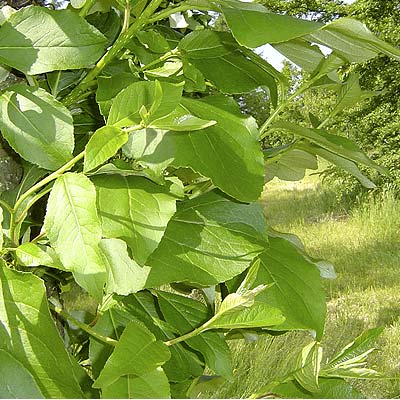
x=71, y=222
x=152, y=385
x=217, y=57
x=302, y=53
x=341, y=162
x=290, y=165
x=329, y=388
x=352, y=40
x=134, y=209
x=37, y=126
x=35, y=40
x=26, y=321
x=334, y=143
x=297, y=289
x=108, y=88
x=187, y=314
x=209, y=240
x=15, y=380
x=136, y=343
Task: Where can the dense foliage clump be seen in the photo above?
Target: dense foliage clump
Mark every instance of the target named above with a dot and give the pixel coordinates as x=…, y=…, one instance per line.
x=132, y=180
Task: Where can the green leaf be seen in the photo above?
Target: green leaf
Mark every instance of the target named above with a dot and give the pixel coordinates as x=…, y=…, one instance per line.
x=308, y=365
x=102, y=145
x=35, y=40
x=124, y=275
x=290, y=165
x=108, y=88
x=303, y=54
x=37, y=126
x=328, y=389
x=352, y=40
x=349, y=94
x=297, y=289
x=1, y=228
x=187, y=314
x=156, y=99
x=33, y=255
x=134, y=209
x=136, y=343
x=351, y=360
x=334, y=143
x=16, y=382
x=71, y=222
x=228, y=153
x=242, y=310
x=217, y=57
x=153, y=385
x=253, y=25
x=181, y=120
x=209, y=240
x=183, y=364
x=154, y=41
x=341, y=162
x=32, y=338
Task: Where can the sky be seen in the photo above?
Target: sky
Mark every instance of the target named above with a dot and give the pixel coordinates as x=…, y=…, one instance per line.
x=274, y=57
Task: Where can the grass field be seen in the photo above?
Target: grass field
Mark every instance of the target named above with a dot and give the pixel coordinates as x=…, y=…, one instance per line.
x=364, y=247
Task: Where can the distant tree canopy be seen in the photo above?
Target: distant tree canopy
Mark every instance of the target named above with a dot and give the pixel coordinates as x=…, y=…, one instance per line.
x=320, y=10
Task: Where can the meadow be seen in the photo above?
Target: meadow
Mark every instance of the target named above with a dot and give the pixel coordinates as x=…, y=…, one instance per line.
x=363, y=245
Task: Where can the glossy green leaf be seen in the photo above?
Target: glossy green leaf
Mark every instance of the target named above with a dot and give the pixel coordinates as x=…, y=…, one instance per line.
x=334, y=143
x=217, y=57
x=229, y=152
x=136, y=343
x=308, y=366
x=152, y=385
x=124, y=275
x=187, y=314
x=27, y=321
x=16, y=382
x=37, y=126
x=297, y=289
x=35, y=40
x=134, y=209
x=108, y=88
x=104, y=143
x=32, y=255
x=72, y=223
x=253, y=25
x=352, y=40
x=209, y=240
x=143, y=102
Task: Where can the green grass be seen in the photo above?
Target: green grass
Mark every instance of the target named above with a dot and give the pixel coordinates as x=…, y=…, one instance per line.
x=363, y=244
